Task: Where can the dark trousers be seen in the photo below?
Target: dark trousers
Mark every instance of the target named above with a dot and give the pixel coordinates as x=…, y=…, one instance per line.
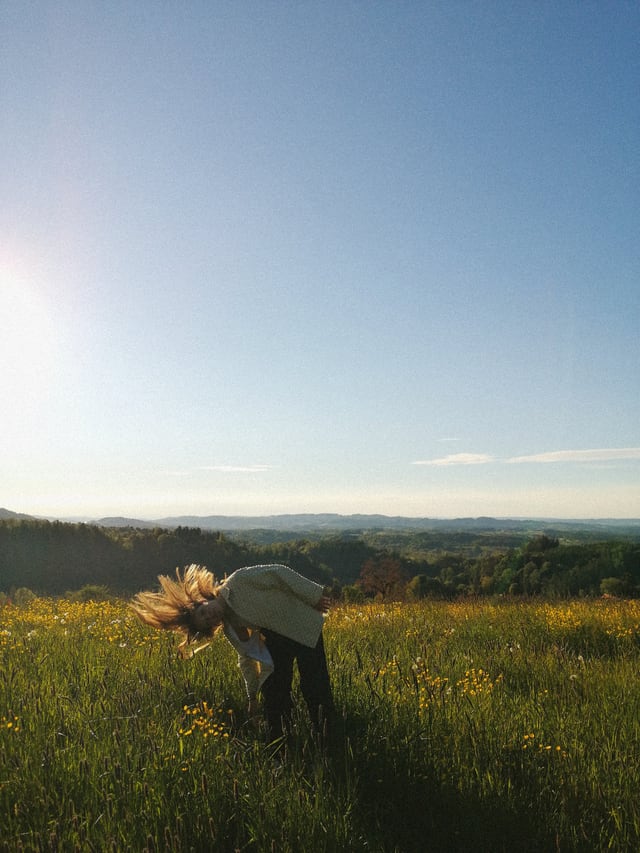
x=314, y=684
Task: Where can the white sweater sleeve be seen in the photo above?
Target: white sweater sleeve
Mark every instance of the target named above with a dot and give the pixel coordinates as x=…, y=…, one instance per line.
x=254, y=659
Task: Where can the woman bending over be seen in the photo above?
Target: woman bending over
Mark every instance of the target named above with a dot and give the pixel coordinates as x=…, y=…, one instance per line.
x=271, y=615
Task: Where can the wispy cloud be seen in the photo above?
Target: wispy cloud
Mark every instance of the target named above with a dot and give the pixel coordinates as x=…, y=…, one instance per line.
x=554, y=456
x=237, y=469
x=602, y=455
x=458, y=459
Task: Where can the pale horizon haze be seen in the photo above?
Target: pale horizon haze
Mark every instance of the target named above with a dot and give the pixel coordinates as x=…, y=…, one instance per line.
x=297, y=257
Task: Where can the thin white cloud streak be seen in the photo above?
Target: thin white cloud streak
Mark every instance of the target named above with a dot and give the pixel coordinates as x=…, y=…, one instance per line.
x=237, y=469
x=603, y=455
x=458, y=459
x=584, y=456
x=221, y=469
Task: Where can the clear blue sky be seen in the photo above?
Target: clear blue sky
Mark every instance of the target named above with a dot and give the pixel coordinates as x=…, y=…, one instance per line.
x=266, y=257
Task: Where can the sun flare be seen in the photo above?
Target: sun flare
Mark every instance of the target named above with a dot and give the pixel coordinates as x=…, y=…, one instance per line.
x=27, y=334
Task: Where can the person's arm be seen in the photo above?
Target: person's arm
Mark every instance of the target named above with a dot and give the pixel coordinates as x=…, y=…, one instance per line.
x=250, y=670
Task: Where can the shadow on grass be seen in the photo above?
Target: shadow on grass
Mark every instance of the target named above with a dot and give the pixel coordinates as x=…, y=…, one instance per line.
x=402, y=806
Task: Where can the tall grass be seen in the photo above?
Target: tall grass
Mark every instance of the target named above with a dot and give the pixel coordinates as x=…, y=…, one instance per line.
x=485, y=726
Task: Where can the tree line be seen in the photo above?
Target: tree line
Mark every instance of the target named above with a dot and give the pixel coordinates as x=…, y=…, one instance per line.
x=53, y=558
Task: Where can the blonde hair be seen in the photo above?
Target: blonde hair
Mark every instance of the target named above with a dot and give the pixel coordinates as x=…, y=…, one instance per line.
x=172, y=608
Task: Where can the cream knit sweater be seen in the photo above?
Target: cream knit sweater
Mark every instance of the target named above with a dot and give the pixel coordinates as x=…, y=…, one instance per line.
x=274, y=598
x=278, y=599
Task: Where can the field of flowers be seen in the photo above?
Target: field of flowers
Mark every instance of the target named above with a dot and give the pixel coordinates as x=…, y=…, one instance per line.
x=492, y=726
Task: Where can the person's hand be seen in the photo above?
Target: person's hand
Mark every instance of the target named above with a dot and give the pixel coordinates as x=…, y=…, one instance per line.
x=324, y=604
x=254, y=713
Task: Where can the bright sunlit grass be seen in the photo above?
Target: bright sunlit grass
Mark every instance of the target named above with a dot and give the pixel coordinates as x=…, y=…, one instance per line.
x=484, y=726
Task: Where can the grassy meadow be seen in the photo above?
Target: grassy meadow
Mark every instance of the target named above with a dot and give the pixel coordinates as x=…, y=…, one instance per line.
x=492, y=726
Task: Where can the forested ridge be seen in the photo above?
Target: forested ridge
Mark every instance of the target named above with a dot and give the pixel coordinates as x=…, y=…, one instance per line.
x=53, y=558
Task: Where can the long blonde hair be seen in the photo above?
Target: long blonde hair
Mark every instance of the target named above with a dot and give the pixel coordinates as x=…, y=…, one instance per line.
x=172, y=608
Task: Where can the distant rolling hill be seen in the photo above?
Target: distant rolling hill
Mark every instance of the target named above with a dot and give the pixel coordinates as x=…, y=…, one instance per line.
x=336, y=523
x=120, y=521
x=7, y=514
